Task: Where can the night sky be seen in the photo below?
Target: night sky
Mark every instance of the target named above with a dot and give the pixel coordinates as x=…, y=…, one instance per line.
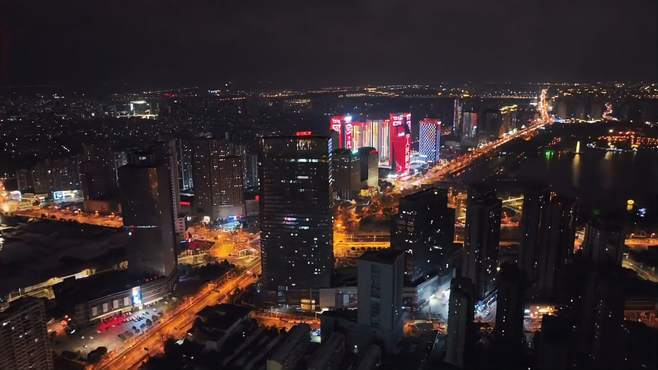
x=315, y=43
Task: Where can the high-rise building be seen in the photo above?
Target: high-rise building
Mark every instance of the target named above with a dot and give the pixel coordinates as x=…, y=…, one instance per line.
x=390, y=137
x=509, y=119
x=218, y=179
x=604, y=242
x=346, y=174
x=547, y=237
x=369, y=161
x=56, y=174
x=400, y=141
x=24, y=342
x=424, y=228
x=469, y=125
x=295, y=212
x=380, y=286
x=599, y=328
x=146, y=189
x=457, y=116
x=481, y=238
x=184, y=155
x=509, y=306
x=429, y=139
x=460, y=322
x=553, y=348
x=98, y=172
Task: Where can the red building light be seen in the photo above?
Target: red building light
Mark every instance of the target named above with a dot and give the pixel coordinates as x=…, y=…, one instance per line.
x=303, y=133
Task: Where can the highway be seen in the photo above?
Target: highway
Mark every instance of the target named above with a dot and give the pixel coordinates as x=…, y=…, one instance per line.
x=176, y=325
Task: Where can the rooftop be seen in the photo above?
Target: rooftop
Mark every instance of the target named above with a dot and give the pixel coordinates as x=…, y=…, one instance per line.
x=387, y=256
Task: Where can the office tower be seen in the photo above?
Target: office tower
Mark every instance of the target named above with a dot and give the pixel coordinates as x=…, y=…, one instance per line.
x=346, y=174
x=481, y=237
x=24, y=342
x=184, y=155
x=146, y=189
x=469, y=125
x=400, y=141
x=547, y=237
x=429, y=139
x=295, y=212
x=380, y=285
x=509, y=306
x=424, y=228
x=460, y=322
x=369, y=162
x=218, y=179
x=604, y=242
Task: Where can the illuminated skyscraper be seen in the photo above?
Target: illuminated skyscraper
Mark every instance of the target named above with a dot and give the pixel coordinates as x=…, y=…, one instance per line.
x=400, y=141
x=481, y=238
x=390, y=137
x=429, y=139
x=146, y=190
x=218, y=179
x=295, y=212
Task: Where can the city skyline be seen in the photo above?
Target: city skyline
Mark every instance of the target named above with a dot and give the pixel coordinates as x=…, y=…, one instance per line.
x=354, y=185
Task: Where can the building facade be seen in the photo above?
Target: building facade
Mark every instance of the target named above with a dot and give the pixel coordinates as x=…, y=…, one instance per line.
x=218, y=179
x=295, y=212
x=424, y=229
x=24, y=342
x=429, y=139
x=148, y=215
x=481, y=238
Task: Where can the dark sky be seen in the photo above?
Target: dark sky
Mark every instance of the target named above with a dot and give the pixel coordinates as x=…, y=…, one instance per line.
x=311, y=43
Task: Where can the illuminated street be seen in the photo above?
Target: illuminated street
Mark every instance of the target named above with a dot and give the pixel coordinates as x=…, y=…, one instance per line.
x=176, y=324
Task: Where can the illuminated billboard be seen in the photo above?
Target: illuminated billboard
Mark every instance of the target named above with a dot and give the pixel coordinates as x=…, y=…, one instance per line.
x=67, y=196
x=401, y=141
x=136, y=294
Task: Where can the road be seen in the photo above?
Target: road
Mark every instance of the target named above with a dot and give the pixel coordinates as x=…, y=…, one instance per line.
x=460, y=163
x=58, y=214
x=284, y=320
x=176, y=325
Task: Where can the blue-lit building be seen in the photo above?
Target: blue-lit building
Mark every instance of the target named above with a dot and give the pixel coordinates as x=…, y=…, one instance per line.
x=429, y=139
